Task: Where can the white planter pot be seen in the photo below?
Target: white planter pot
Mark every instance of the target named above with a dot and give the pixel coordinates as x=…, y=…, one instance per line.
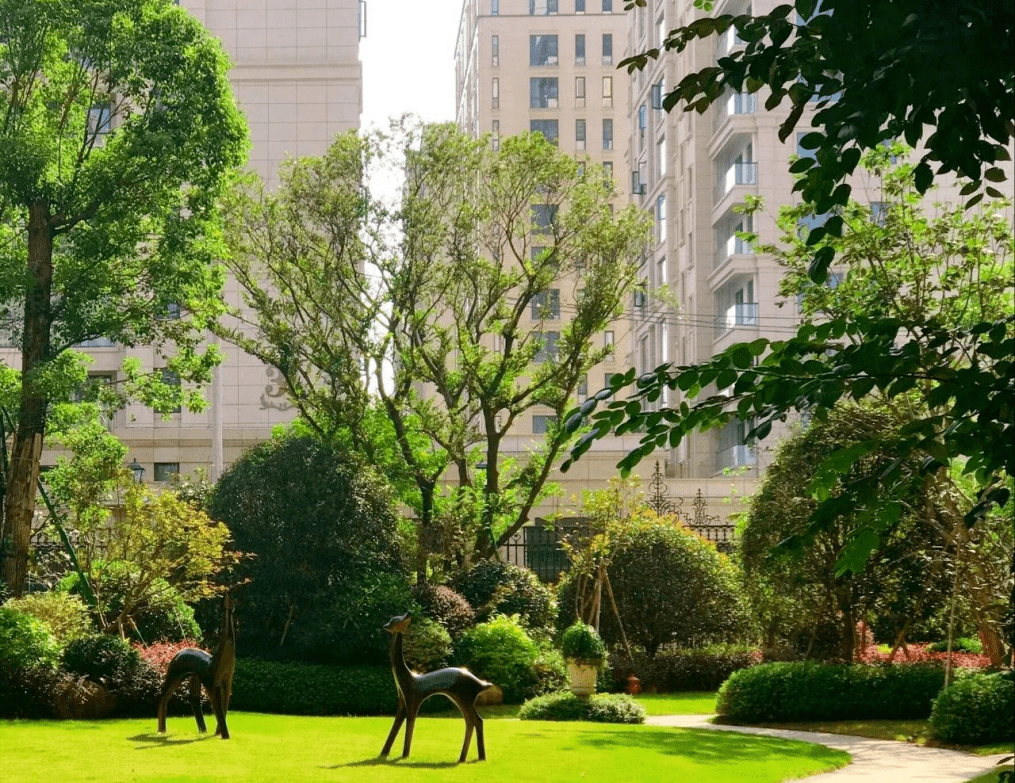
x=583, y=678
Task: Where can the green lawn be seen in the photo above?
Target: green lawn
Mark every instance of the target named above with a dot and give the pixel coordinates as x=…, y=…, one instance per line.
x=292, y=749
x=687, y=703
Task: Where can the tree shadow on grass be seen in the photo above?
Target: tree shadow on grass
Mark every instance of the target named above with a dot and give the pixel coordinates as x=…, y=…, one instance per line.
x=156, y=740
x=383, y=761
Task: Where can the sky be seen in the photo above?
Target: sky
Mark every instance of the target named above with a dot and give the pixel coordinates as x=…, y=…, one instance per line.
x=408, y=60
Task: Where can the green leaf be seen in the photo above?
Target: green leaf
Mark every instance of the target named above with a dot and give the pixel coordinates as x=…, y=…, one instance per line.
x=857, y=551
x=994, y=174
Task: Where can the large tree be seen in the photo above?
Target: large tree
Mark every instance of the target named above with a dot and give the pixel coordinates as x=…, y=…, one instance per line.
x=117, y=131
x=479, y=296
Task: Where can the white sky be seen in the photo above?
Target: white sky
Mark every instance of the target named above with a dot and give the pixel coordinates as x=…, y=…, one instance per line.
x=408, y=60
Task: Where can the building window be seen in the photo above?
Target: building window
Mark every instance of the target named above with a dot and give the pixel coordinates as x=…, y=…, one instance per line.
x=543, y=424
x=542, y=50
x=642, y=120
x=542, y=7
x=543, y=93
x=607, y=91
x=170, y=378
x=579, y=6
x=543, y=217
x=607, y=6
x=548, y=128
x=495, y=90
x=99, y=122
x=579, y=49
x=607, y=49
x=660, y=31
x=608, y=174
x=579, y=92
x=494, y=7
x=96, y=342
x=657, y=96
x=661, y=218
x=607, y=134
x=547, y=346
x=545, y=305
x=495, y=135
x=583, y=387
x=608, y=340
x=495, y=50
x=164, y=471
x=661, y=158
x=579, y=134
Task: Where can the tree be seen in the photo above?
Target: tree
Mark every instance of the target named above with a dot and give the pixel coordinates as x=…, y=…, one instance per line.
x=456, y=301
x=117, y=130
x=924, y=310
x=874, y=69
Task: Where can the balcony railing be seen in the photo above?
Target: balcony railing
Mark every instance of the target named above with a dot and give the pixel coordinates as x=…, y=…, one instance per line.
x=737, y=103
x=736, y=174
x=734, y=245
x=738, y=315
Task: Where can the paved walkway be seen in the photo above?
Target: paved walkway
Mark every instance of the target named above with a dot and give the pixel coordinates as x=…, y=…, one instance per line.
x=874, y=761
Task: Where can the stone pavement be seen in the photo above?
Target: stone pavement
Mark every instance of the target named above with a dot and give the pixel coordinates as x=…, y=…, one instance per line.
x=874, y=761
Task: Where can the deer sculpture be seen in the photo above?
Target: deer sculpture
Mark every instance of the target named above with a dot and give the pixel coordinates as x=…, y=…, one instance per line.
x=214, y=672
x=461, y=686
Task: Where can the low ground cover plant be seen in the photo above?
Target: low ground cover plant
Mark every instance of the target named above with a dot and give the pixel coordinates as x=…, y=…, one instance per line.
x=599, y=708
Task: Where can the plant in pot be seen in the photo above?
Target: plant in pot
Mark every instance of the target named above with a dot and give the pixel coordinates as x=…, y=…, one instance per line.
x=585, y=654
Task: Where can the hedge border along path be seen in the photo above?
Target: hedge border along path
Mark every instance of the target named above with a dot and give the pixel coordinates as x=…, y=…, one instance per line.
x=871, y=759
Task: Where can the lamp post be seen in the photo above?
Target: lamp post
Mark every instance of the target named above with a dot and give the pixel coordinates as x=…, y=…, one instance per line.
x=137, y=469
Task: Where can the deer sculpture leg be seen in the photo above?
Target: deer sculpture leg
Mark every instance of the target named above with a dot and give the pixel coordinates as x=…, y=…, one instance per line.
x=461, y=686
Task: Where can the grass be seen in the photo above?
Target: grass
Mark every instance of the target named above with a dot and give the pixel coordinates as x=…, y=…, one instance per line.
x=687, y=703
x=989, y=777
x=295, y=749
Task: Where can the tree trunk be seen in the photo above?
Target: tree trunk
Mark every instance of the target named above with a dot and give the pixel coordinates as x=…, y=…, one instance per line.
x=23, y=474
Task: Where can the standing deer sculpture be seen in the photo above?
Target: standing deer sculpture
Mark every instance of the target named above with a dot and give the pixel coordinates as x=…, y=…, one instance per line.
x=461, y=686
x=214, y=672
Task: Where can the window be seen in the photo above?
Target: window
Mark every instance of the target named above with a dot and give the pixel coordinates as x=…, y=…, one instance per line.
x=545, y=305
x=879, y=209
x=495, y=50
x=607, y=6
x=543, y=93
x=660, y=31
x=495, y=92
x=579, y=92
x=607, y=49
x=171, y=312
x=542, y=50
x=608, y=173
x=608, y=340
x=495, y=134
x=494, y=7
x=96, y=342
x=579, y=6
x=637, y=186
x=800, y=151
x=548, y=128
x=733, y=449
x=661, y=218
x=661, y=158
x=607, y=91
x=543, y=217
x=661, y=274
x=607, y=134
x=96, y=380
x=99, y=120
x=547, y=346
x=657, y=96
x=170, y=378
x=542, y=7
x=579, y=134
x=579, y=49
x=543, y=424
x=642, y=120
x=583, y=387
x=164, y=471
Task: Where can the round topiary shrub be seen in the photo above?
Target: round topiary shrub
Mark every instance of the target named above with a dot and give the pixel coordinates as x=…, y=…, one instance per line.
x=600, y=708
x=976, y=710
x=445, y=606
x=503, y=653
x=65, y=615
x=581, y=644
x=494, y=587
x=25, y=641
x=427, y=646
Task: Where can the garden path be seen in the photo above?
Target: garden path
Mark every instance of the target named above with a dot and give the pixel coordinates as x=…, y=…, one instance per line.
x=874, y=761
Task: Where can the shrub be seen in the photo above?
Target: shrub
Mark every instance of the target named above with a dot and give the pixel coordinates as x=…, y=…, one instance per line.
x=427, y=646
x=28, y=692
x=159, y=655
x=599, y=708
x=99, y=657
x=821, y=691
x=976, y=710
x=494, y=587
x=25, y=641
x=66, y=616
x=962, y=644
x=583, y=645
x=443, y=605
x=675, y=669
x=551, y=671
x=305, y=689
x=501, y=651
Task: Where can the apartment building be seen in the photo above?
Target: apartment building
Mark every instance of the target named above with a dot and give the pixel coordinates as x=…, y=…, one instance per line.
x=298, y=79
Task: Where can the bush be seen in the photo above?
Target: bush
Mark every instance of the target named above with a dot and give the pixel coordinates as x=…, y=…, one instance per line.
x=427, y=646
x=100, y=657
x=494, y=587
x=304, y=689
x=976, y=710
x=670, y=585
x=445, y=606
x=583, y=645
x=824, y=691
x=28, y=692
x=25, y=641
x=66, y=616
x=962, y=644
x=599, y=708
x=502, y=652
x=675, y=669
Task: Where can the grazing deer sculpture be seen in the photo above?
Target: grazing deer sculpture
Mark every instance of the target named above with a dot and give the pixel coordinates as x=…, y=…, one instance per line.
x=459, y=685
x=214, y=672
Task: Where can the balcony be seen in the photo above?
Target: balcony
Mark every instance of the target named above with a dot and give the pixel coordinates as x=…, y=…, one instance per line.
x=738, y=103
x=738, y=315
x=733, y=246
x=735, y=457
x=738, y=173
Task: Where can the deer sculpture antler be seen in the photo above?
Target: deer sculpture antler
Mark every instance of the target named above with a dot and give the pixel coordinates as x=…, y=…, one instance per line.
x=459, y=685
x=214, y=672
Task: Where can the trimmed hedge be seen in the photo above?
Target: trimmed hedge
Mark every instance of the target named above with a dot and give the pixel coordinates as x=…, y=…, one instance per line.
x=599, y=708
x=976, y=710
x=819, y=691
x=292, y=688
x=675, y=669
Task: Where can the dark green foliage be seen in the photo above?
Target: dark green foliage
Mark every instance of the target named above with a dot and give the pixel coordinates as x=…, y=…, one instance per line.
x=65, y=616
x=443, y=605
x=674, y=669
x=962, y=644
x=100, y=657
x=820, y=691
x=427, y=646
x=303, y=689
x=327, y=571
x=28, y=692
x=581, y=643
x=501, y=651
x=494, y=587
x=976, y=710
x=598, y=708
x=25, y=641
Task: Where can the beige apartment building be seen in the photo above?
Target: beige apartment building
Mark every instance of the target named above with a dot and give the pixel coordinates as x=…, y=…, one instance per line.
x=298, y=79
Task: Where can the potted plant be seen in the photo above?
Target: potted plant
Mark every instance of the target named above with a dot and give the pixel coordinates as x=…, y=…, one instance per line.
x=585, y=654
